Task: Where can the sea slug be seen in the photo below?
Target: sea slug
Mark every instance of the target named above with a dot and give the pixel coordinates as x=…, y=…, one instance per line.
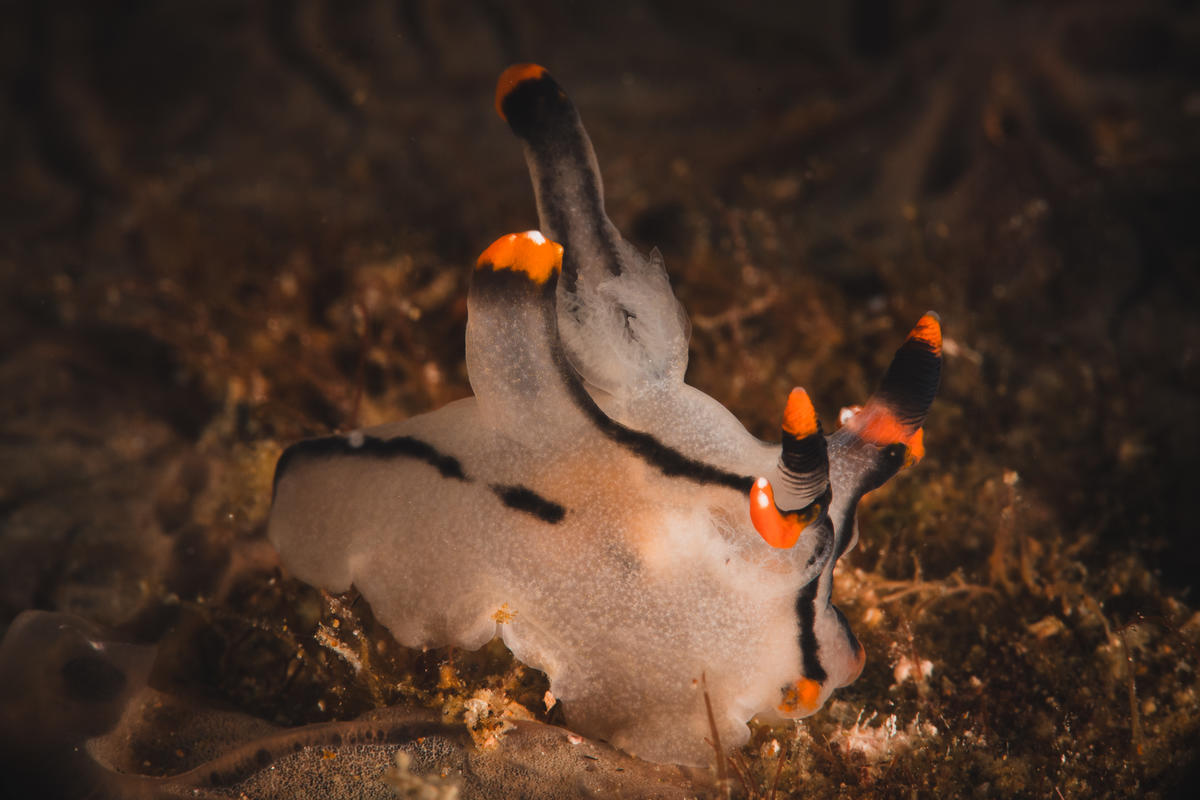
x=618, y=528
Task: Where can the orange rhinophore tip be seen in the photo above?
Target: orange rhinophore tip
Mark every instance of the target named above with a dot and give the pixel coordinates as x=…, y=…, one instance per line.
x=895, y=413
x=511, y=78
x=777, y=529
x=803, y=697
x=529, y=252
x=799, y=417
x=928, y=331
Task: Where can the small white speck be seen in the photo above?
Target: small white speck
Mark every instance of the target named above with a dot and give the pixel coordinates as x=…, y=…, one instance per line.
x=535, y=237
x=356, y=439
x=763, y=501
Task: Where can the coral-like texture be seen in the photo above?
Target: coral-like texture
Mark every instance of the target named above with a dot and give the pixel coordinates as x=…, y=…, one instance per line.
x=618, y=528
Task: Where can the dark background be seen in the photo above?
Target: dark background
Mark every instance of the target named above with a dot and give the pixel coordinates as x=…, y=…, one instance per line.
x=225, y=225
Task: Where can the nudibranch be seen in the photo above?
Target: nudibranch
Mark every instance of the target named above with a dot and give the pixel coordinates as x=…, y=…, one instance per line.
x=619, y=529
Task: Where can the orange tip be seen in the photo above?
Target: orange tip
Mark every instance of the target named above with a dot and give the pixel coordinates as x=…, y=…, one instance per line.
x=802, y=698
x=776, y=528
x=928, y=331
x=799, y=416
x=878, y=424
x=513, y=77
x=529, y=252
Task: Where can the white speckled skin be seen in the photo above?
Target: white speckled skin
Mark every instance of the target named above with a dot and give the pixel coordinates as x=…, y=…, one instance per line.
x=641, y=589
x=649, y=576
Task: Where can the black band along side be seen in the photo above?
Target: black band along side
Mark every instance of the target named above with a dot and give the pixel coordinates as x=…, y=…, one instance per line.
x=522, y=498
x=370, y=447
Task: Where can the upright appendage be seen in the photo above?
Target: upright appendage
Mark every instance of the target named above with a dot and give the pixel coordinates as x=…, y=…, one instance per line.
x=619, y=320
x=530, y=254
x=873, y=444
x=885, y=434
x=802, y=475
x=566, y=179
x=896, y=412
x=512, y=333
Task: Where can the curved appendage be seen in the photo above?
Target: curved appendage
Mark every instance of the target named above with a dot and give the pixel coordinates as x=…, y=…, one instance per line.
x=802, y=475
x=512, y=338
x=885, y=434
x=777, y=528
x=870, y=448
x=804, y=456
x=620, y=324
x=895, y=413
x=619, y=319
x=566, y=178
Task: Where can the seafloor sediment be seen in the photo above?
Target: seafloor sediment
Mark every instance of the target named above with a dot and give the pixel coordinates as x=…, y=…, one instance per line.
x=228, y=225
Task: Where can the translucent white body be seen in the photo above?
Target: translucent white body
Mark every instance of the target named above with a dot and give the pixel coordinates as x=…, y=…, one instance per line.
x=590, y=507
x=648, y=584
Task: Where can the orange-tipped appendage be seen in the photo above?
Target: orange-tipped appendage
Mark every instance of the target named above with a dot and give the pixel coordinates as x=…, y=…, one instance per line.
x=799, y=417
x=529, y=252
x=776, y=529
x=928, y=331
x=803, y=697
x=879, y=425
x=511, y=78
